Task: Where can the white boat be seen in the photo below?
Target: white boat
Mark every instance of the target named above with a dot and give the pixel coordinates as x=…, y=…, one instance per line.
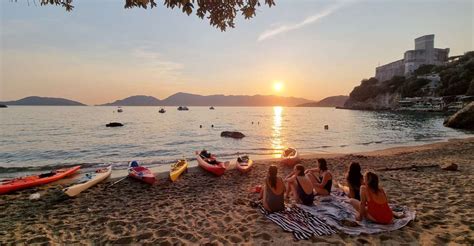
x=89, y=180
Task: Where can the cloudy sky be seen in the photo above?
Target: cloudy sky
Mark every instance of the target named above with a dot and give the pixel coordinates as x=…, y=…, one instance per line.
x=102, y=52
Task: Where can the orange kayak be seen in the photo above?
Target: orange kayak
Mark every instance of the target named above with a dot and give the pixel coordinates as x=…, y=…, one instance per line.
x=35, y=180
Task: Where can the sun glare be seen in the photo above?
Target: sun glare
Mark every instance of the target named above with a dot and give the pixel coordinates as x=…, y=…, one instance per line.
x=278, y=86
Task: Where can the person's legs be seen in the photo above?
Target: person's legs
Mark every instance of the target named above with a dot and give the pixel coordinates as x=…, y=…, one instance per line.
x=289, y=188
x=344, y=188
x=355, y=203
x=312, y=178
x=321, y=191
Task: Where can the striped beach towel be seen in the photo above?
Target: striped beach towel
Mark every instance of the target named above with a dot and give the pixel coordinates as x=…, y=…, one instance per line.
x=302, y=224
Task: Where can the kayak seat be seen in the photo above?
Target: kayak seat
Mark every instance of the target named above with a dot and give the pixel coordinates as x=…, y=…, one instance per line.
x=45, y=175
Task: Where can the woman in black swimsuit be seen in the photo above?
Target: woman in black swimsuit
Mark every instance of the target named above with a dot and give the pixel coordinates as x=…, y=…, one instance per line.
x=322, y=182
x=300, y=186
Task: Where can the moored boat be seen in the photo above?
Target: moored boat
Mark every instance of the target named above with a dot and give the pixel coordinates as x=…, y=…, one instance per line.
x=36, y=180
x=119, y=110
x=208, y=162
x=290, y=157
x=183, y=108
x=141, y=173
x=162, y=111
x=244, y=163
x=89, y=180
x=211, y=108
x=177, y=169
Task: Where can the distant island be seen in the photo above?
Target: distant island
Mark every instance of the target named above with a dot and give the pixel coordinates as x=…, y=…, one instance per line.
x=187, y=99
x=334, y=101
x=43, y=101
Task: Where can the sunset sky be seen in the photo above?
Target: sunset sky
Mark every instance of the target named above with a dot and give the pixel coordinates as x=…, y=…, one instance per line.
x=102, y=52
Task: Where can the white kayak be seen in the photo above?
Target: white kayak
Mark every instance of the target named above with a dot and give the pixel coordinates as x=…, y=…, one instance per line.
x=89, y=180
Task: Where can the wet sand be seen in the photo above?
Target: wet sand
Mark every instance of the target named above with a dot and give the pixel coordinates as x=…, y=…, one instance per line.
x=202, y=209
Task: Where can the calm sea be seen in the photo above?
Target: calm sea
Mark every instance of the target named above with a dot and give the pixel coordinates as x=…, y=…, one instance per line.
x=36, y=138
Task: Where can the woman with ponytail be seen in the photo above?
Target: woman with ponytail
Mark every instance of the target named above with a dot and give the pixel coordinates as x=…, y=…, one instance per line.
x=273, y=193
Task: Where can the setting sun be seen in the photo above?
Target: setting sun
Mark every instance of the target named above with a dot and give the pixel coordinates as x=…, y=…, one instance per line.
x=278, y=86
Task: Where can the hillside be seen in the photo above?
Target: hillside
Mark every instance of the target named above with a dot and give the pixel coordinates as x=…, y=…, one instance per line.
x=334, y=101
x=456, y=78
x=139, y=100
x=187, y=99
x=44, y=101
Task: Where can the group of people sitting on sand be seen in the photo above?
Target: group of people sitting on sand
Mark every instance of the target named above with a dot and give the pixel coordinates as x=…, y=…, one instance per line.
x=302, y=185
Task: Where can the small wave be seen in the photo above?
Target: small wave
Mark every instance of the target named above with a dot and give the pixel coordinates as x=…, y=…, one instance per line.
x=46, y=167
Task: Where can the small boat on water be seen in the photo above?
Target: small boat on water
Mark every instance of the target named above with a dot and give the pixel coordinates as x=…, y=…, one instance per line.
x=162, y=111
x=290, y=157
x=211, y=108
x=89, y=180
x=177, y=169
x=119, y=110
x=35, y=180
x=183, y=108
x=141, y=173
x=208, y=162
x=244, y=163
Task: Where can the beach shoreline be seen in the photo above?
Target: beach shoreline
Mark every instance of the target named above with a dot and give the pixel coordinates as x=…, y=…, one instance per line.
x=200, y=208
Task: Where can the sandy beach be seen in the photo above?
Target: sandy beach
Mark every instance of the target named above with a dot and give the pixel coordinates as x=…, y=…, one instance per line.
x=202, y=209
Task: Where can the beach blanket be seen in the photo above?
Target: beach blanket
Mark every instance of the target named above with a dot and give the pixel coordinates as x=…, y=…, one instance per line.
x=302, y=224
x=336, y=212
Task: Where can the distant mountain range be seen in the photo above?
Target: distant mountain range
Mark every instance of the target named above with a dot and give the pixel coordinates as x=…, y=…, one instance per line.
x=187, y=99
x=334, y=101
x=44, y=101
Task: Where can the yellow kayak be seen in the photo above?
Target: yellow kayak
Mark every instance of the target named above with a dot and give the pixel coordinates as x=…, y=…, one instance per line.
x=177, y=169
x=88, y=181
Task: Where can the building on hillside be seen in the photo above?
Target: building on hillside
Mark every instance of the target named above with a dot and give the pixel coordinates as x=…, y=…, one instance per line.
x=424, y=53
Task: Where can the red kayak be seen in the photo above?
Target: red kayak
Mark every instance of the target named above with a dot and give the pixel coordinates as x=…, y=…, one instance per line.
x=141, y=173
x=210, y=164
x=35, y=180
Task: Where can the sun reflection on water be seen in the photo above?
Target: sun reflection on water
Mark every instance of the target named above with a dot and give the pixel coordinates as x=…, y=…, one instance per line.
x=276, y=140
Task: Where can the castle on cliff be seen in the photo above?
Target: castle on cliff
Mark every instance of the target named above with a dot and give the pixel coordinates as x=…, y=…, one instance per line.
x=424, y=53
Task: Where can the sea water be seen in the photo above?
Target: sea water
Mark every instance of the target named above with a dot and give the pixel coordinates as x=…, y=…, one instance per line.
x=45, y=137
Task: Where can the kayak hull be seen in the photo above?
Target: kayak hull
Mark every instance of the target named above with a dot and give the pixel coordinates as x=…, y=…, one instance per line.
x=75, y=190
x=217, y=169
x=244, y=167
x=36, y=180
x=142, y=173
x=174, y=174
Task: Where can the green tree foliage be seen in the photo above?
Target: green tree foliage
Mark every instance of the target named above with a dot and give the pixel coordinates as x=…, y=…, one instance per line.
x=412, y=87
x=457, y=76
x=221, y=13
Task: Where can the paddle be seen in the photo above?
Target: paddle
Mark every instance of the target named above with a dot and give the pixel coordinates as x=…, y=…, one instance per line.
x=116, y=182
